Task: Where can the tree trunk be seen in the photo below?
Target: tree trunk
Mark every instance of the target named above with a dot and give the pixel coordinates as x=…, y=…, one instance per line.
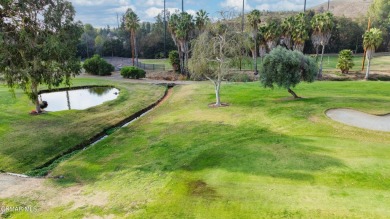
x=132, y=47
x=293, y=93
x=317, y=47
x=217, y=89
x=135, y=48
x=321, y=63
x=186, y=57
x=368, y=70
x=34, y=90
x=68, y=100
x=255, y=56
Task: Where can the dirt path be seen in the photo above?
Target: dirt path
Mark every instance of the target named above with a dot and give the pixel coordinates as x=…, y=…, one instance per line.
x=360, y=119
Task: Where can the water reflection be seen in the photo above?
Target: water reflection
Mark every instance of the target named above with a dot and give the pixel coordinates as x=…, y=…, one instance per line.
x=79, y=99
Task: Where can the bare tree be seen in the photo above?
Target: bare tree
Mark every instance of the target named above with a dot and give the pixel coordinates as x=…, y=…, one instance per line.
x=214, y=52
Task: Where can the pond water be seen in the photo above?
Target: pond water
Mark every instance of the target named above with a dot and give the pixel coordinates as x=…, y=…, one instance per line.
x=79, y=99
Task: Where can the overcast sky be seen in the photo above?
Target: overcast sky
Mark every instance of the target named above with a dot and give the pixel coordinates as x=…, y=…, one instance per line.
x=101, y=13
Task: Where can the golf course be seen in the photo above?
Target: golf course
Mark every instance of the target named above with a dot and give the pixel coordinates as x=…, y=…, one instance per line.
x=265, y=154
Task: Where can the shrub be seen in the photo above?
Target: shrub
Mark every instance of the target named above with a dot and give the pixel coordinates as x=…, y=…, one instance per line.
x=98, y=66
x=174, y=60
x=345, y=61
x=132, y=72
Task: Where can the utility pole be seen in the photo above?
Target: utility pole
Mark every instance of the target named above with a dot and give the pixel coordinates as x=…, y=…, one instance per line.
x=328, y=4
x=182, y=5
x=304, y=8
x=165, y=31
x=243, y=14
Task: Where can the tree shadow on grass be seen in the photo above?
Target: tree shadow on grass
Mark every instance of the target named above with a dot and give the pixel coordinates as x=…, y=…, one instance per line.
x=196, y=146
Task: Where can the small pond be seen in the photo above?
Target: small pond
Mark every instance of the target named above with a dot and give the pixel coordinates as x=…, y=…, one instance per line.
x=79, y=99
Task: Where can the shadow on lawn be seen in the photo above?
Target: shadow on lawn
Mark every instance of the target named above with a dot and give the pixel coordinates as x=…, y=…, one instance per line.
x=196, y=146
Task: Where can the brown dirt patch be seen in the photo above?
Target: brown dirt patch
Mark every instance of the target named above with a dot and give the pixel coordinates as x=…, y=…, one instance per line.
x=212, y=105
x=200, y=188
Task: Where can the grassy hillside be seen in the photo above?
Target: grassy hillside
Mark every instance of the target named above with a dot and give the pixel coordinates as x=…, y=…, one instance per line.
x=264, y=156
x=29, y=141
x=348, y=8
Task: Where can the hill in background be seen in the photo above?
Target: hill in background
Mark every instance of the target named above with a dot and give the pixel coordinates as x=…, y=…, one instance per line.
x=348, y=8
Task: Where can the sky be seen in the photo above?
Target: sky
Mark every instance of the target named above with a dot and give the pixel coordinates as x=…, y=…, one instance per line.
x=101, y=13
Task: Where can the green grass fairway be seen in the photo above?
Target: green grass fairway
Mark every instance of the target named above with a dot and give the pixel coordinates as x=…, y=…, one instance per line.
x=158, y=62
x=264, y=156
x=29, y=141
x=379, y=63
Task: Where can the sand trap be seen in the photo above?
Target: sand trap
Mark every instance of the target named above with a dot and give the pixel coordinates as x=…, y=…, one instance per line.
x=360, y=119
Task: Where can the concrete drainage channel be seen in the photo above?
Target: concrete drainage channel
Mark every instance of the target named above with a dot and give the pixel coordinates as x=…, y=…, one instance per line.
x=45, y=168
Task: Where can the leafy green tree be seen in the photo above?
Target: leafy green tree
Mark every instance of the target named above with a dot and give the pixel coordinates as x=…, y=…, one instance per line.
x=214, y=52
x=286, y=69
x=379, y=12
x=98, y=66
x=254, y=19
x=131, y=21
x=346, y=35
x=37, y=50
x=322, y=25
x=345, y=61
x=372, y=39
x=99, y=42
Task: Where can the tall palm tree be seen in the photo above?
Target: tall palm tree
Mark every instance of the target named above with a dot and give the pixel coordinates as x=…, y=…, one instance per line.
x=201, y=20
x=288, y=27
x=181, y=27
x=372, y=39
x=300, y=31
x=254, y=19
x=272, y=33
x=322, y=25
x=132, y=24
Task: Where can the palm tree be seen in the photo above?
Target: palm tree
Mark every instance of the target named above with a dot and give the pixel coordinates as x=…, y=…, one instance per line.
x=201, y=20
x=300, y=31
x=288, y=26
x=181, y=27
x=372, y=39
x=322, y=25
x=254, y=19
x=132, y=24
x=272, y=33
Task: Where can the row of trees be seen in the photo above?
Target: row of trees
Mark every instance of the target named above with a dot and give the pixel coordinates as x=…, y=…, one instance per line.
x=117, y=41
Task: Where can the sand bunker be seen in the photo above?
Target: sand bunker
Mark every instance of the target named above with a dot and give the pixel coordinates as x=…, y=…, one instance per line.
x=360, y=119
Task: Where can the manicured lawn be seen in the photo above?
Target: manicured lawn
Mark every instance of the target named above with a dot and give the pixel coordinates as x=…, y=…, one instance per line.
x=380, y=63
x=29, y=141
x=158, y=62
x=264, y=156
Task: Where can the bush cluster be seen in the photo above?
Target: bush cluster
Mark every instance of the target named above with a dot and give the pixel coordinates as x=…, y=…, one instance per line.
x=98, y=66
x=345, y=61
x=132, y=72
x=174, y=60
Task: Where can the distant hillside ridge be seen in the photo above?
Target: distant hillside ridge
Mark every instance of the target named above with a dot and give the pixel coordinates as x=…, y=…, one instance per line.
x=348, y=8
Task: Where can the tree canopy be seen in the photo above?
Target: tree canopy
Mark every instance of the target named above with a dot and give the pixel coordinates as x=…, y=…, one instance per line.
x=38, y=44
x=286, y=69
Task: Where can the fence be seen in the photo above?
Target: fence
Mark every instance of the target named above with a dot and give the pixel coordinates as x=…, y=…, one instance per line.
x=152, y=67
